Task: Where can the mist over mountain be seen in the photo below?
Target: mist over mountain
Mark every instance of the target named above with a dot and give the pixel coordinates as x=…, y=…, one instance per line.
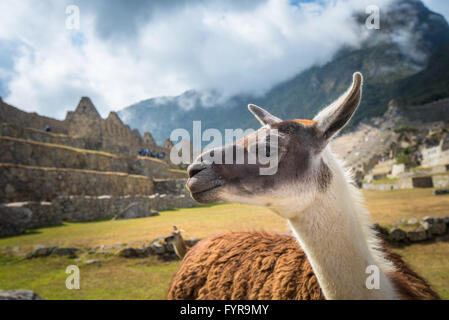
x=406, y=59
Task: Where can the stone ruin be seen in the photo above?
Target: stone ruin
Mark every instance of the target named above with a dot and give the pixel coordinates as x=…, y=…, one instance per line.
x=82, y=168
x=83, y=128
x=411, y=231
x=431, y=170
x=375, y=150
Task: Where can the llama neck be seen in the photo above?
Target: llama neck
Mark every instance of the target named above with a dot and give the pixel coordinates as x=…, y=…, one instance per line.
x=335, y=235
x=180, y=248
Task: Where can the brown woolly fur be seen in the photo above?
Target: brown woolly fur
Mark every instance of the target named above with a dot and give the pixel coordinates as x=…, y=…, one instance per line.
x=265, y=265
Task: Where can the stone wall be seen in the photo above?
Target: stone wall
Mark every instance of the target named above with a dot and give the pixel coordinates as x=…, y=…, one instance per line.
x=438, y=155
x=81, y=209
x=149, y=167
x=177, y=186
x=16, y=218
x=10, y=130
x=43, y=214
x=379, y=186
x=413, y=230
x=83, y=128
x=177, y=174
x=431, y=181
x=109, y=134
x=441, y=180
x=402, y=183
x=33, y=153
x=85, y=123
x=26, y=183
x=422, y=182
x=18, y=117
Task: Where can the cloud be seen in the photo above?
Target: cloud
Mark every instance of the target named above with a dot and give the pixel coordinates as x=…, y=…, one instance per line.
x=439, y=6
x=127, y=51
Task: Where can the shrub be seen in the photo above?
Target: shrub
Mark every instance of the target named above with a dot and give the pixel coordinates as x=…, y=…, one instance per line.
x=404, y=128
x=405, y=156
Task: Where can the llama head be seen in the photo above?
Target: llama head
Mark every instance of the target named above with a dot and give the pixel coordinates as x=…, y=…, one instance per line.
x=174, y=237
x=300, y=173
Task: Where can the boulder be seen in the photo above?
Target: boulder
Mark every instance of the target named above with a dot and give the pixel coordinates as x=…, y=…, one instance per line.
x=42, y=252
x=436, y=227
x=135, y=252
x=168, y=256
x=446, y=221
x=71, y=252
x=135, y=210
x=443, y=238
x=397, y=235
x=14, y=220
x=428, y=219
x=154, y=213
x=440, y=192
x=376, y=227
x=18, y=295
x=416, y=236
x=192, y=242
x=158, y=248
x=169, y=248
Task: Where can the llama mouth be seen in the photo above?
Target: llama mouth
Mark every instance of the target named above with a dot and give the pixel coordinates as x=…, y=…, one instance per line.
x=200, y=184
x=207, y=190
x=207, y=196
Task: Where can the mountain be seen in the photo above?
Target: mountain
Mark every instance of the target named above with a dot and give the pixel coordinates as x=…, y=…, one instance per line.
x=406, y=60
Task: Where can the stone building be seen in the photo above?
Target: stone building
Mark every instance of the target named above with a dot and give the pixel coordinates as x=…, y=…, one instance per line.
x=438, y=155
x=82, y=168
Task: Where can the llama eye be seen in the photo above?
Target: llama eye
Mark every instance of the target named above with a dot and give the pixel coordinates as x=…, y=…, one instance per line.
x=267, y=150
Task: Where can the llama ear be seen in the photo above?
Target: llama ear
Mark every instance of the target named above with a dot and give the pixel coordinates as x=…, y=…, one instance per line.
x=263, y=115
x=336, y=116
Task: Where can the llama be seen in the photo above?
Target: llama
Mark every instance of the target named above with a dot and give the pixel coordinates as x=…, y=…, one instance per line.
x=178, y=243
x=333, y=250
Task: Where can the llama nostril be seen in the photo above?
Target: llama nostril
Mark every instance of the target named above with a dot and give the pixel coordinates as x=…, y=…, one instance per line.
x=195, y=169
x=194, y=172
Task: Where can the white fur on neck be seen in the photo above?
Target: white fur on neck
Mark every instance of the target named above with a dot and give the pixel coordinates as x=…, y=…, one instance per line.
x=334, y=231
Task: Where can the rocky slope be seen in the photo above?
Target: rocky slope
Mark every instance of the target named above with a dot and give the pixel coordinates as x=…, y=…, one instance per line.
x=385, y=136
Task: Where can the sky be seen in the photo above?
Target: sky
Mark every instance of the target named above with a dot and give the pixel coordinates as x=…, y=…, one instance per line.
x=127, y=51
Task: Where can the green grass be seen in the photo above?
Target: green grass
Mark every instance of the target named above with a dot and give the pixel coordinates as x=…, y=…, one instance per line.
x=119, y=278
x=431, y=261
x=197, y=222
x=385, y=180
x=115, y=278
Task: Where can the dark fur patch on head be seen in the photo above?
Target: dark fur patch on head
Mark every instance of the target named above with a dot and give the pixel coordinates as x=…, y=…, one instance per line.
x=309, y=136
x=324, y=177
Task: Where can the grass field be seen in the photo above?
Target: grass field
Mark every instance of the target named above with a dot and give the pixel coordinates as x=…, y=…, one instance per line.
x=119, y=278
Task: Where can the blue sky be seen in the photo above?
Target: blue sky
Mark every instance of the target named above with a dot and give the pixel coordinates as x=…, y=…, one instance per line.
x=127, y=51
